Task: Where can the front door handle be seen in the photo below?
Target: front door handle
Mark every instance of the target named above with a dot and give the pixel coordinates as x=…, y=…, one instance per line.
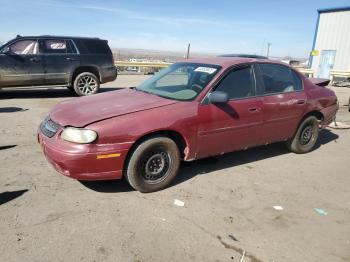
x=301, y=102
x=34, y=59
x=254, y=109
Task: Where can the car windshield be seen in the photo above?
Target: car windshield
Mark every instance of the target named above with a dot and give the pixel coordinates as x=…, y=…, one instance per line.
x=180, y=81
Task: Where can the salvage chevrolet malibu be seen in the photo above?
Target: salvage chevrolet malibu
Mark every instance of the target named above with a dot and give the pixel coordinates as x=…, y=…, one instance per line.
x=190, y=110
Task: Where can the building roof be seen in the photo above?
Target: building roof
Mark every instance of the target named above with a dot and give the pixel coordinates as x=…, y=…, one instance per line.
x=334, y=9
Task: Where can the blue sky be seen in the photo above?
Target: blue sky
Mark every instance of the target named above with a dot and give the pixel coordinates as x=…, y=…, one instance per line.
x=210, y=26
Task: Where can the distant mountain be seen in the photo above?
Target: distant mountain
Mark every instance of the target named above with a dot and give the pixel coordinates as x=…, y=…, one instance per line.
x=159, y=55
x=168, y=56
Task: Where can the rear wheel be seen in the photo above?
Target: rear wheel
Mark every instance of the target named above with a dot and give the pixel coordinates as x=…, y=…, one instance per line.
x=306, y=136
x=153, y=164
x=86, y=84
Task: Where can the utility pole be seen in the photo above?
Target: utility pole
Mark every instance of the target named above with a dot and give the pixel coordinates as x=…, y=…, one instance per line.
x=268, y=49
x=188, y=51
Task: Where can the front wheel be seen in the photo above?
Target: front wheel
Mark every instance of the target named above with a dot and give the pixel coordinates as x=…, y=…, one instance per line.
x=86, y=84
x=153, y=164
x=306, y=136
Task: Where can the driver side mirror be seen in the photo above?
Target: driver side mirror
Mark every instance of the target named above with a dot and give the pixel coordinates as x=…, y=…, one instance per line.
x=6, y=50
x=218, y=97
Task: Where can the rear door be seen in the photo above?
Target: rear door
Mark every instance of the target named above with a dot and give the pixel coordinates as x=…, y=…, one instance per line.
x=61, y=58
x=284, y=101
x=22, y=64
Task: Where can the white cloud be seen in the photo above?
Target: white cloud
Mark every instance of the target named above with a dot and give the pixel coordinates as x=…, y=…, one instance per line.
x=158, y=19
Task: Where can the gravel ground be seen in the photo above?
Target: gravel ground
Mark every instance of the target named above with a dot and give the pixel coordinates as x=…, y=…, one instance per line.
x=228, y=200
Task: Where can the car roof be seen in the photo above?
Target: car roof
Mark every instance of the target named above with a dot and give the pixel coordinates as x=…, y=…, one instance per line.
x=58, y=37
x=229, y=61
x=244, y=55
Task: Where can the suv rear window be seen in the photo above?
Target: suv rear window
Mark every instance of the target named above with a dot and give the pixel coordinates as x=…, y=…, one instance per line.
x=96, y=46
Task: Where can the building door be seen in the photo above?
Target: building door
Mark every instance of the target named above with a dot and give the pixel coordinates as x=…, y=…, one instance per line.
x=326, y=63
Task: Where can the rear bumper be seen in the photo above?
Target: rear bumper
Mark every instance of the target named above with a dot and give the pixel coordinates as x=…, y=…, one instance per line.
x=329, y=114
x=108, y=74
x=81, y=161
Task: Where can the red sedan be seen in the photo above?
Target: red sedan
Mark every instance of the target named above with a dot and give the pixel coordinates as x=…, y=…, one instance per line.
x=190, y=110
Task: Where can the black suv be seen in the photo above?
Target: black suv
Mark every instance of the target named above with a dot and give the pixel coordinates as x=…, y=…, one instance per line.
x=81, y=64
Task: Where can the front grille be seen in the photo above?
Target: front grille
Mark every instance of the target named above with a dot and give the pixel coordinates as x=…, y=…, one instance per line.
x=49, y=128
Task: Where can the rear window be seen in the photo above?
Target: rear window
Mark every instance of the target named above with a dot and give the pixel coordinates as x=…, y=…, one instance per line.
x=96, y=46
x=279, y=79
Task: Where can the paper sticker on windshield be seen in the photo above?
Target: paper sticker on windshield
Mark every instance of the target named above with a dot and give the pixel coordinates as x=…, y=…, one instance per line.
x=208, y=70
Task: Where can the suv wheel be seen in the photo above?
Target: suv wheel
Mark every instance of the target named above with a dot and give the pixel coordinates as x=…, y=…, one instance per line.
x=153, y=164
x=86, y=84
x=306, y=136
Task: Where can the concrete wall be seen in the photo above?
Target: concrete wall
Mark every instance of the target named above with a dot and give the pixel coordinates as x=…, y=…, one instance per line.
x=334, y=34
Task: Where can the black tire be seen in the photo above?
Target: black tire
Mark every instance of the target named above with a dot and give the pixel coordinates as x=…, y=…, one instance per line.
x=86, y=84
x=306, y=136
x=153, y=164
x=71, y=89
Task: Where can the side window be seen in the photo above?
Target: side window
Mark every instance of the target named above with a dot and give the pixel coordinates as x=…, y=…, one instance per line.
x=56, y=46
x=298, y=82
x=24, y=47
x=239, y=83
x=279, y=79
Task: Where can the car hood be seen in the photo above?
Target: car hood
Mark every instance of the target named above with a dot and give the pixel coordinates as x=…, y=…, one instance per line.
x=83, y=111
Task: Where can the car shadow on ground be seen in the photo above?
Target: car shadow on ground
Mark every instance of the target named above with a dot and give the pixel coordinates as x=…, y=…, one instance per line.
x=111, y=186
x=188, y=170
x=7, y=147
x=8, y=196
x=11, y=109
x=43, y=92
x=191, y=169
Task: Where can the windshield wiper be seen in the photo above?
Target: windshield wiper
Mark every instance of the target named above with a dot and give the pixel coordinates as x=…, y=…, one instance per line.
x=144, y=91
x=155, y=94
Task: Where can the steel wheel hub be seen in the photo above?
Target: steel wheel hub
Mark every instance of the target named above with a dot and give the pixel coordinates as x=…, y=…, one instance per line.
x=155, y=166
x=306, y=135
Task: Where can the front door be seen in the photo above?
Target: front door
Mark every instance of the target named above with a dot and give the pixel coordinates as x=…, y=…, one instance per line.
x=326, y=64
x=284, y=101
x=21, y=64
x=236, y=124
x=60, y=60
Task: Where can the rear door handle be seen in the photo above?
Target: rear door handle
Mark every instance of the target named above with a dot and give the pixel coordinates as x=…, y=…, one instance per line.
x=70, y=59
x=301, y=102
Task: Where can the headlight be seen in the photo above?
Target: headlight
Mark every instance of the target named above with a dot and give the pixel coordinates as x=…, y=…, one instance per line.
x=79, y=135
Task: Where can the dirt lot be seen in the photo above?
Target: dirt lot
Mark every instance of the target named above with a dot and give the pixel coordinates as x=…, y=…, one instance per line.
x=228, y=201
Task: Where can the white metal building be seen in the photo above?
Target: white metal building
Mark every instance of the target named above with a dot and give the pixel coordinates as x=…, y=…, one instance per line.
x=331, y=47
